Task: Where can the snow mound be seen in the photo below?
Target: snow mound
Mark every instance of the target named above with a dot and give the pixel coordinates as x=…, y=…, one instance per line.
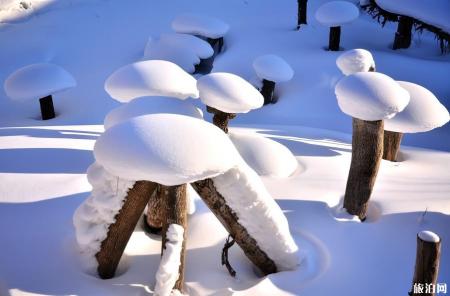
x=246, y=195
x=201, y=48
x=37, y=81
x=94, y=216
x=423, y=113
x=229, y=93
x=355, y=60
x=169, y=149
x=265, y=156
x=370, y=96
x=336, y=13
x=150, y=78
x=273, y=68
x=150, y=105
x=168, y=273
x=202, y=25
x=429, y=236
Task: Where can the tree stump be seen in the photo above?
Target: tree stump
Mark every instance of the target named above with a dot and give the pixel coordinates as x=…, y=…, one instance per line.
x=155, y=216
x=335, y=38
x=220, y=119
x=301, y=13
x=403, y=35
x=267, y=91
x=391, y=144
x=47, y=109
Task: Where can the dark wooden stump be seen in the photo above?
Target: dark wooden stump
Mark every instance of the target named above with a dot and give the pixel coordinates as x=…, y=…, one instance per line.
x=119, y=232
x=403, y=35
x=335, y=38
x=154, y=217
x=267, y=91
x=216, y=44
x=367, y=150
x=427, y=266
x=301, y=13
x=220, y=119
x=217, y=204
x=391, y=144
x=47, y=109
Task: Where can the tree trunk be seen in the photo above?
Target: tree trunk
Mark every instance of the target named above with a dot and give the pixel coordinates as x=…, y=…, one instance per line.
x=335, y=38
x=217, y=204
x=267, y=91
x=175, y=212
x=120, y=231
x=367, y=150
x=427, y=267
x=155, y=216
x=47, y=109
x=216, y=44
x=301, y=14
x=403, y=35
x=220, y=119
x=392, y=142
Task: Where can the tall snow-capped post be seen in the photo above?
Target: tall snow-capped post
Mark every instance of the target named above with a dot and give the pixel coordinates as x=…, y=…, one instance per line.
x=271, y=69
x=370, y=98
x=423, y=113
x=226, y=94
x=39, y=81
x=302, y=6
x=334, y=14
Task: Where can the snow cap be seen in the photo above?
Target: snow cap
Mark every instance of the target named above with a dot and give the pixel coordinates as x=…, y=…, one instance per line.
x=429, y=236
x=201, y=48
x=336, y=13
x=370, y=96
x=355, y=60
x=202, y=25
x=170, y=149
x=150, y=105
x=229, y=93
x=423, y=113
x=150, y=78
x=273, y=68
x=37, y=81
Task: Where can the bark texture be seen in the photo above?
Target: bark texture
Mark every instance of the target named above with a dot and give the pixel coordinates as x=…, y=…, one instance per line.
x=367, y=150
x=217, y=204
x=175, y=212
x=220, y=119
x=335, y=38
x=403, y=35
x=392, y=141
x=119, y=233
x=427, y=265
x=267, y=91
x=47, y=109
x=155, y=215
x=301, y=13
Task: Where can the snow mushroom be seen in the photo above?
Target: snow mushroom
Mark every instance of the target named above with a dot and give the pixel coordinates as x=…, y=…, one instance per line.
x=271, y=69
x=370, y=98
x=209, y=28
x=334, y=14
x=355, y=60
x=226, y=94
x=423, y=113
x=39, y=81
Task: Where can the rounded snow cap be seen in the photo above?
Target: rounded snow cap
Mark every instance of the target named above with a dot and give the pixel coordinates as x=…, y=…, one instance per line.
x=150, y=78
x=423, y=113
x=229, y=93
x=429, y=236
x=169, y=149
x=355, y=60
x=201, y=48
x=370, y=96
x=37, y=81
x=150, y=105
x=273, y=68
x=336, y=13
x=202, y=25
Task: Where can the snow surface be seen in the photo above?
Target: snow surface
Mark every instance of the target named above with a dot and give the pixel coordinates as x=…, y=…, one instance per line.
x=434, y=12
x=150, y=105
x=355, y=60
x=370, y=96
x=168, y=273
x=198, y=45
x=273, y=68
x=336, y=13
x=202, y=25
x=169, y=149
x=429, y=236
x=265, y=156
x=229, y=93
x=423, y=113
x=36, y=81
x=150, y=78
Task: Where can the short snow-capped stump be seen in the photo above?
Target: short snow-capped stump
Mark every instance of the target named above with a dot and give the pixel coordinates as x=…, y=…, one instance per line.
x=355, y=60
x=334, y=14
x=271, y=69
x=150, y=78
x=370, y=98
x=39, y=81
x=226, y=94
x=423, y=113
x=209, y=28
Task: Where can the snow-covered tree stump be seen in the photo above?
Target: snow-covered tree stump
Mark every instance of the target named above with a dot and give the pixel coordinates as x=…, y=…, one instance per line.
x=391, y=144
x=220, y=119
x=155, y=216
x=301, y=12
x=403, y=35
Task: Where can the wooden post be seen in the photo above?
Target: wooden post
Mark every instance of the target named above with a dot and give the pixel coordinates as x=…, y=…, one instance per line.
x=155, y=216
x=335, y=38
x=427, y=264
x=301, y=13
x=392, y=142
x=217, y=204
x=119, y=232
x=267, y=91
x=47, y=109
x=403, y=35
x=367, y=150
x=220, y=119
